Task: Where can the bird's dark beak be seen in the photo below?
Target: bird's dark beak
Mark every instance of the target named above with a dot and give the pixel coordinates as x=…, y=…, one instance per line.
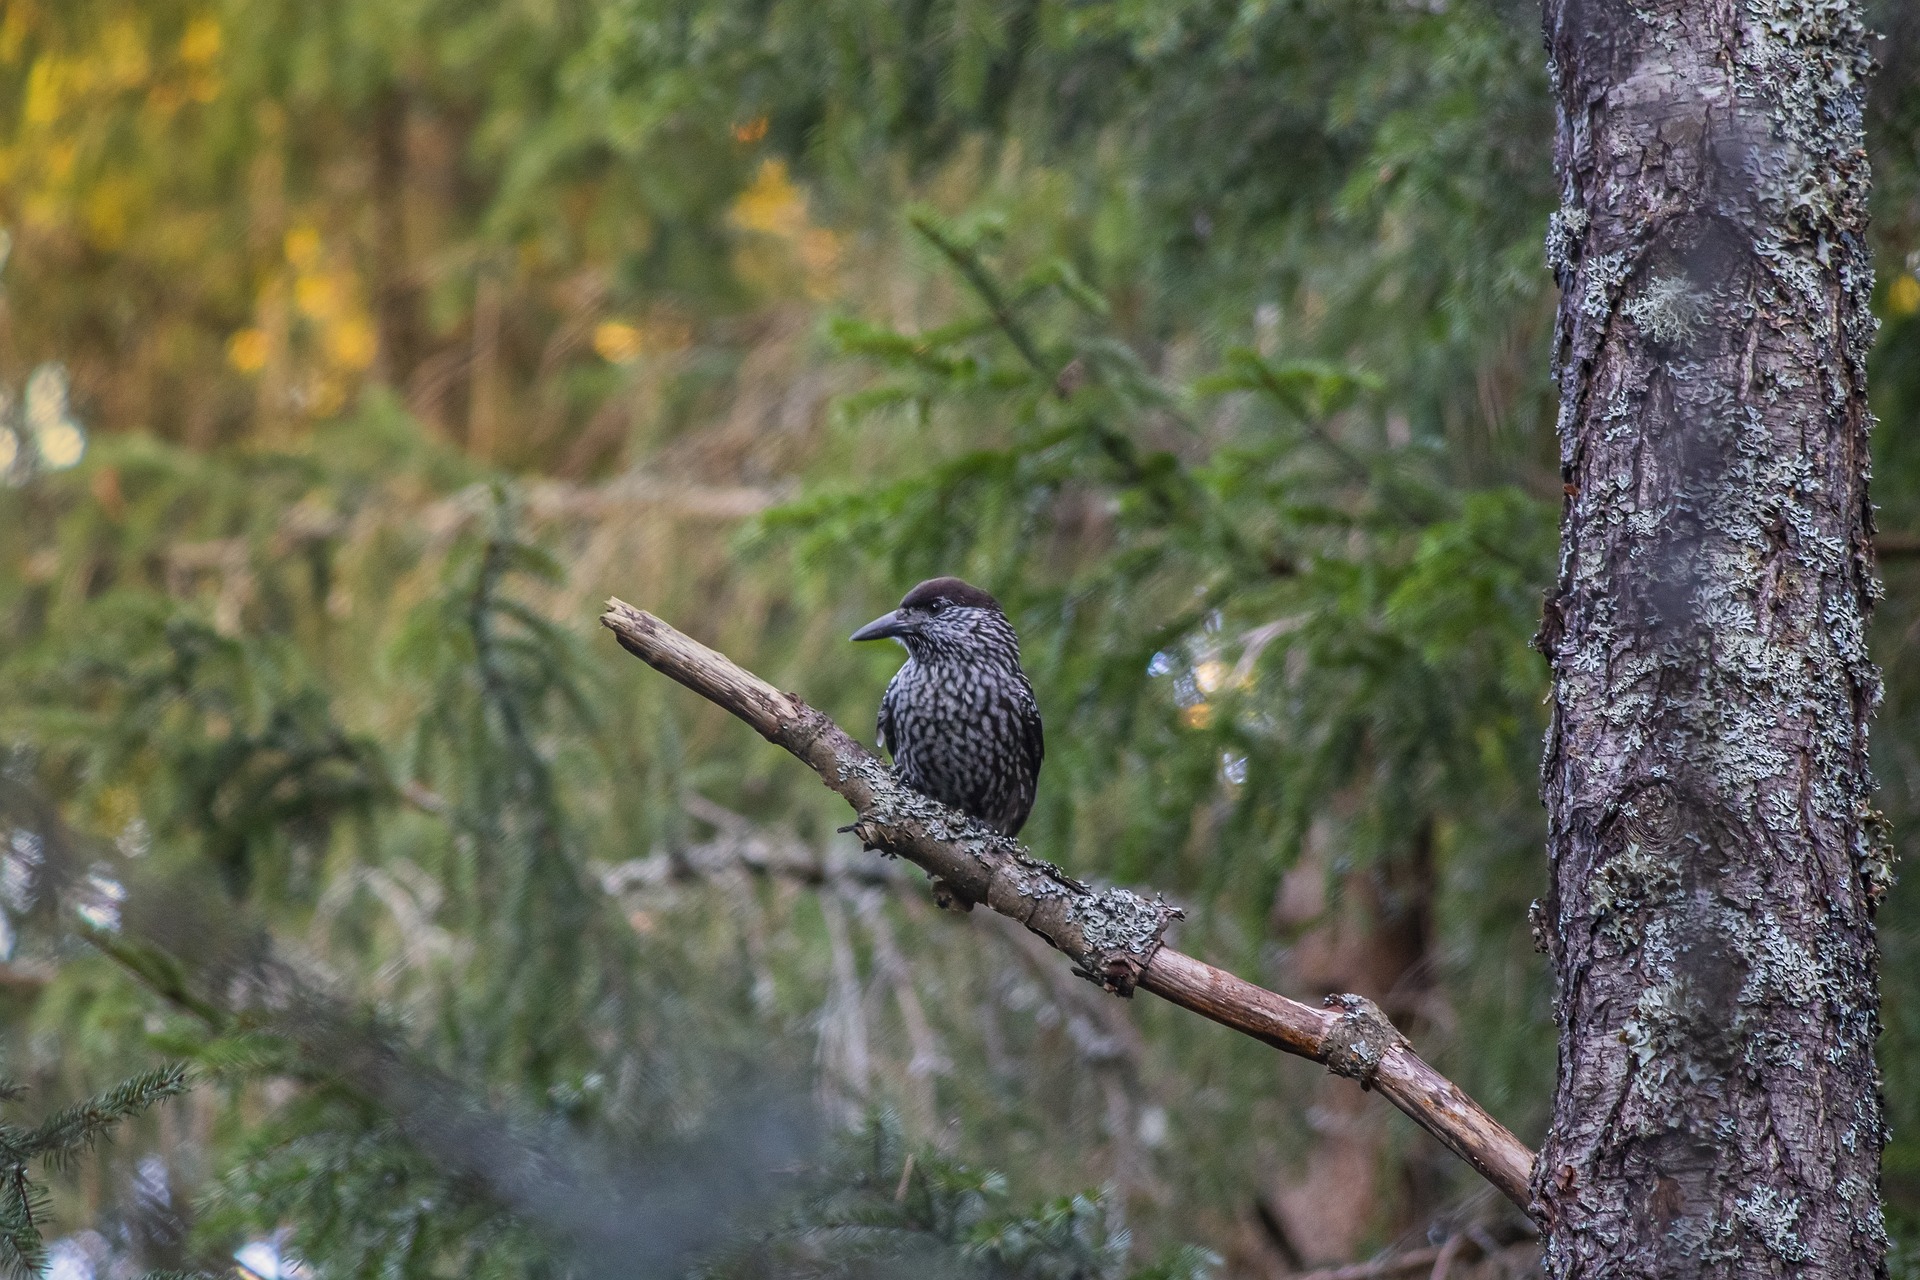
x=886, y=626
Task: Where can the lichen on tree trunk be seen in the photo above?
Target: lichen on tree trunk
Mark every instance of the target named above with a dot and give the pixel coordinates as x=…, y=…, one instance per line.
x=1715, y=859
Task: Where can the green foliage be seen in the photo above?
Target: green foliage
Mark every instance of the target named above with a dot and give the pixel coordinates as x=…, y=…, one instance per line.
x=1330, y=616
x=882, y=1207
x=367, y=1201
x=235, y=744
x=1210, y=336
x=57, y=1141
x=503, y=681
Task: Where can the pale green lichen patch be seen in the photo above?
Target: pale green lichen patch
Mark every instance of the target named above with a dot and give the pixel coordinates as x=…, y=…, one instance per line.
x=1656, y=1033
x=894, y=805
x=1768, y=1049
x=1117, y=921
x=1632, y=881
x=1862, y=1199
x=1030, y=884
x=1775, y=1220
x=1360, y=1040
x=1604, y=274
x=1668, y=309
x=1565, y=226
x=1778, y=966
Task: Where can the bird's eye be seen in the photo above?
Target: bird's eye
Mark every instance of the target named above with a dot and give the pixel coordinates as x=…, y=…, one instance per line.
x=937, y=606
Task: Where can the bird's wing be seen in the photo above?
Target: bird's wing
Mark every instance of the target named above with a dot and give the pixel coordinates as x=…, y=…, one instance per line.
x=1032, y=740
x=884, y=724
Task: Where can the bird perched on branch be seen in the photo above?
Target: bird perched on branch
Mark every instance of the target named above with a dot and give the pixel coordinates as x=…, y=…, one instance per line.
x=959, y=718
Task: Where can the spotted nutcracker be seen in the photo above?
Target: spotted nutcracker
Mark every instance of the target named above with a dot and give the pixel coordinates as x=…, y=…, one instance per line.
x=959, y=718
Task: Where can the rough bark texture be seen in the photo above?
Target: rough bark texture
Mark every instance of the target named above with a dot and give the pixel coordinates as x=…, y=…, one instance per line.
x=1715, y=861
x=1114, y=936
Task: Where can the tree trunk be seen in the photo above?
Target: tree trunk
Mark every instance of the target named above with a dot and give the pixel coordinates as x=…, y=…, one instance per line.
x=1715, y=860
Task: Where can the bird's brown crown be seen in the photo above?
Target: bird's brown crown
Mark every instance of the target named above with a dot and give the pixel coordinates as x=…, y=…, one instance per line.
x=953, y=591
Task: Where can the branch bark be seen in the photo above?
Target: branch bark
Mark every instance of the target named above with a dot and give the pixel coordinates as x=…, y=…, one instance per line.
x=1114, y=936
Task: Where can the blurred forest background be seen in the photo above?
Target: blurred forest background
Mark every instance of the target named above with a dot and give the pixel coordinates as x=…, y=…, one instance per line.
x=353, y=352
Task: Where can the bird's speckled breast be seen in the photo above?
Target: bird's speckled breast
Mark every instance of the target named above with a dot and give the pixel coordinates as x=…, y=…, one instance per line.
x=967, y=734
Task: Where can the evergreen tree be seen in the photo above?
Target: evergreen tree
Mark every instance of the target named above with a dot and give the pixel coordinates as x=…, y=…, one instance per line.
x=1213, y=337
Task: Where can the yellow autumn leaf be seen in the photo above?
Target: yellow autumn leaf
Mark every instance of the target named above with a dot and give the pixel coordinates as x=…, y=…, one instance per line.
x=44, y=85
x=302, y=245
x=819, y=254
x=123, y=50
x=201, y=43
x=617, y=342
x=772, y=204
x=351, y=344
x=107, y=209
x=318, y=296
x=247, y=350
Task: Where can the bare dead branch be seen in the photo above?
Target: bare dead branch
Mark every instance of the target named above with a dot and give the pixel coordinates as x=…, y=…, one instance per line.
x=1113, y=936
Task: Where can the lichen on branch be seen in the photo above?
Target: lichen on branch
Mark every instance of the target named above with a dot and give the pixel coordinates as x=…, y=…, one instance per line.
x=1115, y=936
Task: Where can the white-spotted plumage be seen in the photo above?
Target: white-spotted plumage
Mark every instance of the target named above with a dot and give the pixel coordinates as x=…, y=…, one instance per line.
x=960, y=718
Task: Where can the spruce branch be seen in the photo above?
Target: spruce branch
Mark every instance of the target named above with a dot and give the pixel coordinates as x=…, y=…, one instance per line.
x=70, y=1132
x=22, y=1204
x=56, y=1142
x=1113, y=936
x=967, y=262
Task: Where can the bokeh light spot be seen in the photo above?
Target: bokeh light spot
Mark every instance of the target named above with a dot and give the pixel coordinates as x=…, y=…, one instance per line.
x=1903, y=295
x=60, y=445
x=618, y=342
